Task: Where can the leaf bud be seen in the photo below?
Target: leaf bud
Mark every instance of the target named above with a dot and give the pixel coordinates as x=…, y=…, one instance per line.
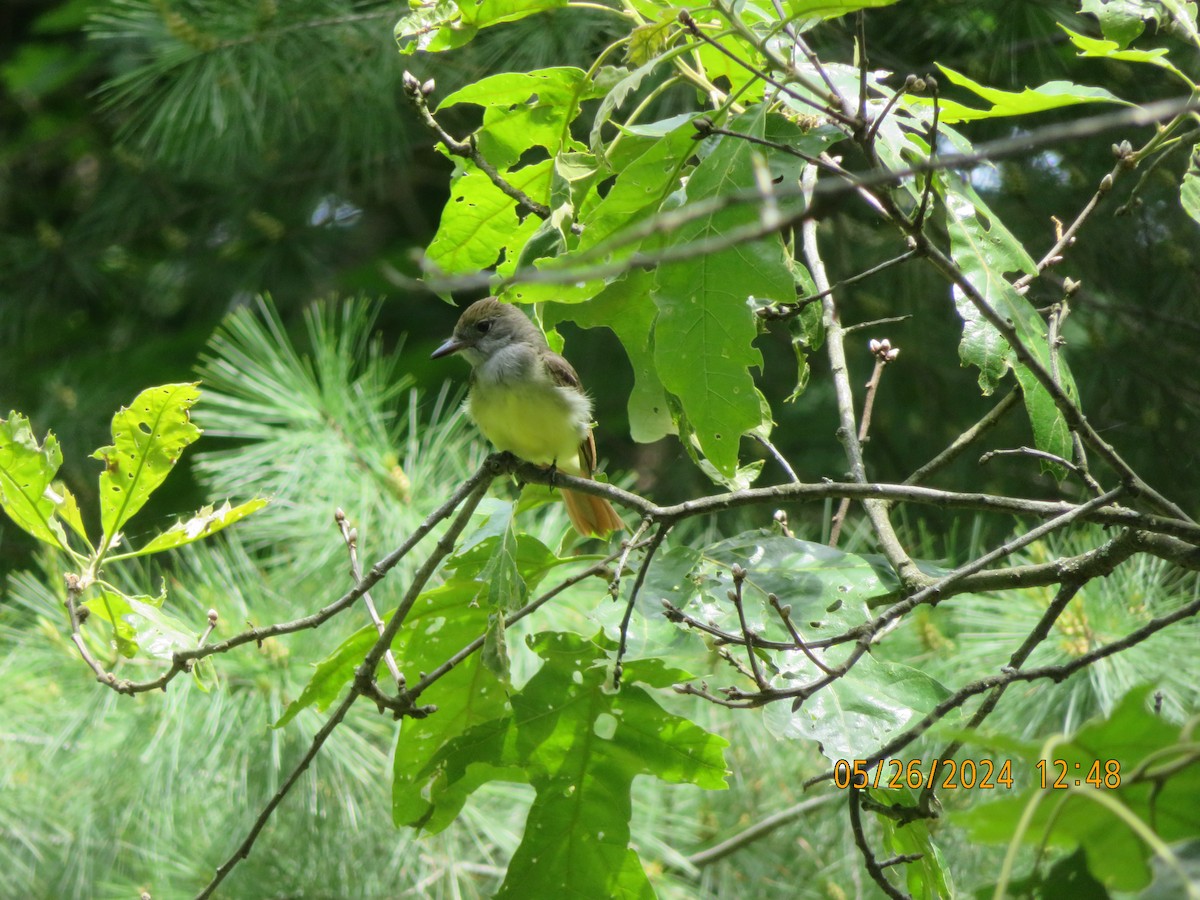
x=1106, y=183
x=212, y=618
x=427, y=87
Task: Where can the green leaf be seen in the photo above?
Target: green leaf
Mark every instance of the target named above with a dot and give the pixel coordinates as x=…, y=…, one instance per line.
x=332, y=674
x=640, y=188
x=831, y=9
x=1052, y=95
x=480, y=223
x=27, y=469
x=68, y=510
x=1099, y=48
x=928, y=876
x=441, y=622
x=444, y=25
x=1161, y=799
x=506, y=589
x=703, y=338
x=624, y=306
x=206, y=522
x=861, y=711
x=1189, y=190
x=827, y=589
x=987, y=252
x=495, y=546
x=982, y=346
x=1124, y=20
x=148, y=437
x=141, y=625
x=620, y=91
x=112, y=607
x=524, y=110
x=648, y=40
x=582, y=746
x=495, y=648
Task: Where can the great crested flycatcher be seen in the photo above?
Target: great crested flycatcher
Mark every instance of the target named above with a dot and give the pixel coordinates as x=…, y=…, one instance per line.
x=527, y=399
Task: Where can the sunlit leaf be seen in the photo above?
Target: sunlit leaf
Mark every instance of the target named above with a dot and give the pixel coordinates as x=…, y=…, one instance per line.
x=524, y=110
x=481, y=224
x=706, y=326
x=148, y=437
x=443, y=25
x=1052, y=95
x=206, y=522
x=27, y=469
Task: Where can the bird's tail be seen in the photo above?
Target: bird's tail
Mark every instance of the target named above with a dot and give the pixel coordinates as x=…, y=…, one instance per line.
x=592, y=516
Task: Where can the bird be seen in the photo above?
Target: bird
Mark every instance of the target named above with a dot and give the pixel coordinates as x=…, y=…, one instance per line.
x=528, y=400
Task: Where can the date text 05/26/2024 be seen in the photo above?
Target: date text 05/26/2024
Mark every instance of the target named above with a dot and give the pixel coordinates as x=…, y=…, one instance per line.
x=979, y=774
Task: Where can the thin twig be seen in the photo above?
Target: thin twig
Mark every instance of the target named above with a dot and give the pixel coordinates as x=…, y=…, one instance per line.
x=931, y=139
x=350, y=537
x=874, y=323
x=794, y=307
x=990, y=420
x=820, y=492
x=1054, y=340
x=785, y=613
x=685, y=19
x=182, y=660
x=757, y=831
x=735, y=596
x=415, y=91
x=889, y=543
x=1067, y=237
x=651, y=549
x=884, y=353
x=860, y=839
x=1031, y=452
x=778, y=457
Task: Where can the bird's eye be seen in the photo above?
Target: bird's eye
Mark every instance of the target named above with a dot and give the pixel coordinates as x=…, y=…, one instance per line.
x=482, y=327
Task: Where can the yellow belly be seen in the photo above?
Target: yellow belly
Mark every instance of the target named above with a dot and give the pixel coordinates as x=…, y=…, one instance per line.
x=539, y=422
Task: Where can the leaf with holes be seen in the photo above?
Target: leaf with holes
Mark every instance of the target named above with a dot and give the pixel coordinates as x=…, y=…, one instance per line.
x=205, y=523
x=580, y=745
x=26, y=471
x=148, y=437
x=481, y=224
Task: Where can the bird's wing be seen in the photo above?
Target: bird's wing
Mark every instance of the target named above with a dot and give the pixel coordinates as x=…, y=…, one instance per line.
x=564, y=375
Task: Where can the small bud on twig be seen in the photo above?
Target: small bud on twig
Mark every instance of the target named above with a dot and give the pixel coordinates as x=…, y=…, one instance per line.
x=212, y=618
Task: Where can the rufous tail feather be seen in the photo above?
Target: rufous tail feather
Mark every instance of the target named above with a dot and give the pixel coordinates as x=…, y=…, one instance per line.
x=591, y=516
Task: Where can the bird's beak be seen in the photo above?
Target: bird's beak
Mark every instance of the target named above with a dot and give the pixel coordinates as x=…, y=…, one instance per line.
x=453, y=345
